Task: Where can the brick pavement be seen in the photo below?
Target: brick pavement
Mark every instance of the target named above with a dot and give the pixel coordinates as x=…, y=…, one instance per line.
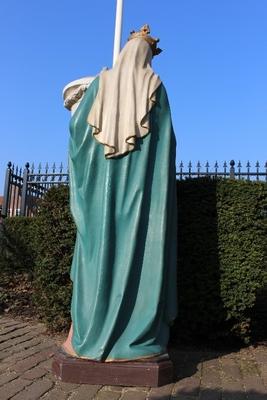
x=25, y=362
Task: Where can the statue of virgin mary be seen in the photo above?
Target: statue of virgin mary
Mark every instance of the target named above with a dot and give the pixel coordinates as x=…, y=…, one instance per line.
x=123, y=201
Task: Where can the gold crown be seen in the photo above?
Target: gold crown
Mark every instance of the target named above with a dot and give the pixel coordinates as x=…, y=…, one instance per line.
x=144, y=34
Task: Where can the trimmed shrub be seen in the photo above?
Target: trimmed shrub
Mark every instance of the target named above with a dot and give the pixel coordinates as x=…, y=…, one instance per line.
x=242, y=234
x=17, y=257
x=222, y=258
x=17, y=248
x=55, y=236
x=222, y=263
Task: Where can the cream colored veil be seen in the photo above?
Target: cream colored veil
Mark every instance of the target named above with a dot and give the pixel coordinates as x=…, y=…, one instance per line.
x=126, y=94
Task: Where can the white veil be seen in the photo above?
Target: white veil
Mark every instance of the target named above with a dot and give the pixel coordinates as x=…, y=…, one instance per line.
x=126, y=94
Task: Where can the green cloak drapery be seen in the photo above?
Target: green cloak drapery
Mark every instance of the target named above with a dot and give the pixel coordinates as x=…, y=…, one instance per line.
x=124, y=263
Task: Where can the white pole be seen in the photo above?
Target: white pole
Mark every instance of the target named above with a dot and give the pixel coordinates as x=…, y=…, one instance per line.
x=118, y=25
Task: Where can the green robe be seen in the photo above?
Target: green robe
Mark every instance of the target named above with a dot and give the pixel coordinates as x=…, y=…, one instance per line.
x=124, y=263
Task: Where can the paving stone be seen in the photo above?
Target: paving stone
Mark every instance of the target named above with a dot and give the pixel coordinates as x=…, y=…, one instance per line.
x=106, y=395
x=254, y=384
x=23, y=338
x=55, y=394
x=25, y=372
x=16, y=333
x=47, y=364
x=4, y=366
x=232, y=388
x=115, y=388
x=231, y=385
x=34, y=373
x=161, y=393
x=210, y=394
x=211, y=374
x=134, y=395
x=231, y=369
x=234, y=395
x=12, y=388
x=128, y=388
x=11, y=328
x=260, y=355
x=7, y=377
x=24, y=353
x=249, y=368
x=32, y=361
x=255, y=396
x=263, y=373
x=20, y=346
x=35, y=390
x=212, y=363
x=5, y=320
x=188, y=386
x=9, y=322
x=85, y=392
x=67, y=386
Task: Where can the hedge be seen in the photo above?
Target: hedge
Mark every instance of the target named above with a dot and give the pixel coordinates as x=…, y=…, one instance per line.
x=55, y=236
x=17, y=261
x=222, y=258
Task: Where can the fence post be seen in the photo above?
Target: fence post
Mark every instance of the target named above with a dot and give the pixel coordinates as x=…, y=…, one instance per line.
x=24, y=190
x=232, y=169
x=7, y=190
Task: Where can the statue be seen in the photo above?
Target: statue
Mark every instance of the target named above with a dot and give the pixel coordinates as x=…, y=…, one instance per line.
x=123, y=201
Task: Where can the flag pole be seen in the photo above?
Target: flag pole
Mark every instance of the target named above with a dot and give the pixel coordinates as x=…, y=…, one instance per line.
x=118, y=26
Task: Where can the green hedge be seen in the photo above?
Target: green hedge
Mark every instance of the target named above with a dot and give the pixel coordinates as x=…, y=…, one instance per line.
x=55, y=236
x=17, y=260
x=222, y=257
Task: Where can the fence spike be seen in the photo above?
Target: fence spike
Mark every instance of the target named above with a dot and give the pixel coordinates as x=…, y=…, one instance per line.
x=248, y=170
x=232, y=169
x=67, y=176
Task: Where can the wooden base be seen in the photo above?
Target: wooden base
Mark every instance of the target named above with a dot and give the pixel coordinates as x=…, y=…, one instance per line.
x=152, y=372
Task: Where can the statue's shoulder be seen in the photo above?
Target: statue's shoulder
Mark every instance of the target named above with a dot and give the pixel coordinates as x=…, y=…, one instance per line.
x=74, y=91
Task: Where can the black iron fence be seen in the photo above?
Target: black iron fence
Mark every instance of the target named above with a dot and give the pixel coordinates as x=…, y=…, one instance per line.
x=24, y=188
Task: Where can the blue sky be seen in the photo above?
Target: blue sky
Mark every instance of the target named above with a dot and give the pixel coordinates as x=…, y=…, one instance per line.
x=214, y=68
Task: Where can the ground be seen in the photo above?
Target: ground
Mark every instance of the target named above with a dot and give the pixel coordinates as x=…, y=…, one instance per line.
x=26, y=352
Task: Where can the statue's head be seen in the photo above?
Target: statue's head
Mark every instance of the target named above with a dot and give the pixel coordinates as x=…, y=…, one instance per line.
x=144, y=34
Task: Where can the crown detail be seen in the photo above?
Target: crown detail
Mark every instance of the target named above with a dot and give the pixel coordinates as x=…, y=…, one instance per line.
x=144, y=34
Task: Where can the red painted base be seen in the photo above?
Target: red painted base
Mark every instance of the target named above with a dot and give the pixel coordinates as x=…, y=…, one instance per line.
x=152, y=372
